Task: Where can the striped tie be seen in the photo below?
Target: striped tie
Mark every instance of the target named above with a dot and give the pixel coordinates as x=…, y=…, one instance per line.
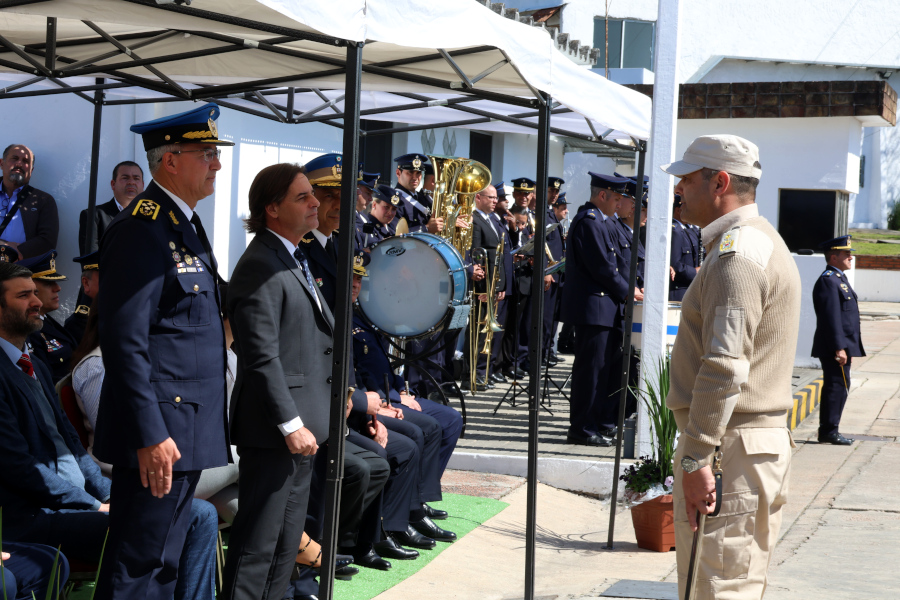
x=24, y=363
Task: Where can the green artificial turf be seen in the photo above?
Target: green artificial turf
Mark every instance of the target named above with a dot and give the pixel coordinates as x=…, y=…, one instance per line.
x=466, y=513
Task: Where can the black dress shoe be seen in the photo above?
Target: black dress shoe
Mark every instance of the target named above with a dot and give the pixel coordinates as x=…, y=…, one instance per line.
x=306, y=597
x=516, y=373
x=434, y=513
x=594, y=440
x=346, y=572
x=552, y=361
x=371, y=560
x=413, y=538
x=835, y=438
x=498, y=378
x=428, y=528
x=389, y=548
x=479, y=385
x=608, y=432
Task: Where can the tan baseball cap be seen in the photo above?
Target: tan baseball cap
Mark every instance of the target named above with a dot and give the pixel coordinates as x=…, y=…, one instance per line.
x=728, y=153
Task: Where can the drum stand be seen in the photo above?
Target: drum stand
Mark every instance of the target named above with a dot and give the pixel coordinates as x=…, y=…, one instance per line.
x=422, y=362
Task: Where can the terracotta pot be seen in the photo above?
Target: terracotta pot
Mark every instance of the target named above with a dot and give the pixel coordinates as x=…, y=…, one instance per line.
x=654, y=524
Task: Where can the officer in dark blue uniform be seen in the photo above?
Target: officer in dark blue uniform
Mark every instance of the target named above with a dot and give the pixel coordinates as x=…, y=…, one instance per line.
x=554, y=243
x=162, y=409
x=52, y=344
x=837, y=338
x=685, y=255
x=416, y=205
x=564, y=342
x=365, y=185
x=90, y=284
x=594, y=292
x=625, y=221
x=385, y=204
x=319, y=245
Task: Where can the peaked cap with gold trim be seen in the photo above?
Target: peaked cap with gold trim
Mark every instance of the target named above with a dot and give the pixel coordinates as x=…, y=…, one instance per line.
x=838, y=243
x=196, y=126
x=89, y=262
x=325, y=170
x=43, y=267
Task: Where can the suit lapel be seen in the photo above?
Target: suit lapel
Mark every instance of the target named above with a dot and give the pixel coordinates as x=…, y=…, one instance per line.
x=15, y=375
x=269, y=239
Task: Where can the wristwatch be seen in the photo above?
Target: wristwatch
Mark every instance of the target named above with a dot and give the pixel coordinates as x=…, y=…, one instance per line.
x=689, y=465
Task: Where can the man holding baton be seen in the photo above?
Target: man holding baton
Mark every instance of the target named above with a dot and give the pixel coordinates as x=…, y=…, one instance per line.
x=731, y=373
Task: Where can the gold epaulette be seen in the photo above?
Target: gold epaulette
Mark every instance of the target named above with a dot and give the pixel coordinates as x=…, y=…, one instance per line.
x=146, y=209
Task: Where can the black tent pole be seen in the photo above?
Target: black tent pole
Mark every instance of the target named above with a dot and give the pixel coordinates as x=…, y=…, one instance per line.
x=340, y=369
x=95, y=166
x=626, y=343
x=536, y=342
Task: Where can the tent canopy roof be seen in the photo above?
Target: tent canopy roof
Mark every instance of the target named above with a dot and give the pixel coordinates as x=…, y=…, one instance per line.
x=414, y=53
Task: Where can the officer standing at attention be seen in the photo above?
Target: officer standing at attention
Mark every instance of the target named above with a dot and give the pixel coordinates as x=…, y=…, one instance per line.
x=837, y=338
x=685, y=256
x=53, y=344
x=731, y=373
x=161, y=419
x=594, y=290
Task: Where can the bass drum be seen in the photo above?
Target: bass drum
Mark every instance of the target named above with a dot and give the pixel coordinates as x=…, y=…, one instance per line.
x=416, y=284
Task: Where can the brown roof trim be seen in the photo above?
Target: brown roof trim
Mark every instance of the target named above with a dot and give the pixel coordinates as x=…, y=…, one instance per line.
x=873, y=102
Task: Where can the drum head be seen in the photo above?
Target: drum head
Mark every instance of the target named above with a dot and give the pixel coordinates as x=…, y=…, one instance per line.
x=409, y=288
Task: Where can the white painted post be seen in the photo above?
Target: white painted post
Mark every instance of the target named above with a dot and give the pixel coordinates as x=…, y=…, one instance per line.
x=659, y=212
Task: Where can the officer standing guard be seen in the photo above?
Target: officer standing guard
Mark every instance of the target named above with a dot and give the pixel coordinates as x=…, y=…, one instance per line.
x=162, y=409
x=685, y=253
x=837, y=338
x=594, y=290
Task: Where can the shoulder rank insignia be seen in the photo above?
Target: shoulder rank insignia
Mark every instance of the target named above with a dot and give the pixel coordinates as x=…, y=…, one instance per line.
x=844, y=287
x=172, y=216
x=590, y=214
x=146, y=209
x=827, y=273
x=82, y=309
x=729, y=240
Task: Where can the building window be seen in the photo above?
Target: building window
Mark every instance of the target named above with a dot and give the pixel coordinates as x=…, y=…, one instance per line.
x=807, y=218
x=630, y=43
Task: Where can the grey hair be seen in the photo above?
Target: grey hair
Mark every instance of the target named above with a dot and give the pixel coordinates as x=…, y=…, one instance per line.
x=154, y=156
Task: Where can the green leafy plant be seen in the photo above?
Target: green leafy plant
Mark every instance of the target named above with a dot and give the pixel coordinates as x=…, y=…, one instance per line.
x=893, y=220
x=658, y=469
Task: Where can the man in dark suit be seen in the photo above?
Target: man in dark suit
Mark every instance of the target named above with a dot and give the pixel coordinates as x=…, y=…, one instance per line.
x=127, y=182
x=29, y=220
x=161, y=419
x=685, y=255
x=279, y=409
x=487, y=232
x=53, y=344
x=837, y=339
x=595, y=289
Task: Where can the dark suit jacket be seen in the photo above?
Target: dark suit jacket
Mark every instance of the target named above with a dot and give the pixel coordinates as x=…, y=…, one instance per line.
x=162, y=339
x=837, y=316
x=40, y=221
x=284, y=347
x=103, y=216
x=485, y=236
x=29, y=483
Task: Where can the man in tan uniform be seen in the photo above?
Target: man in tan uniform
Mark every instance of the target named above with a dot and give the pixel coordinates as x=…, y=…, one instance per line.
x=731, y=372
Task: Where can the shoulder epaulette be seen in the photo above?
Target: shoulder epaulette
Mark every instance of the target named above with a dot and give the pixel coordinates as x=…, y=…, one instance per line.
x=590, y=213
x=146, y=209
x=827, y=273
x=82, y=309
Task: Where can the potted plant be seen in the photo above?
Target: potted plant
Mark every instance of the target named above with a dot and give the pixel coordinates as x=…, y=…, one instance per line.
x=649, y=481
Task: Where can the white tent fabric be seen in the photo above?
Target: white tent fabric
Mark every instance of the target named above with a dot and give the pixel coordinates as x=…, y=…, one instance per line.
x=395, y=30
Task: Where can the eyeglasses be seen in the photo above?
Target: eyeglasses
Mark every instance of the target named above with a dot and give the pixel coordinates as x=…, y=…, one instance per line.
x=207, y=154
x=491, y=197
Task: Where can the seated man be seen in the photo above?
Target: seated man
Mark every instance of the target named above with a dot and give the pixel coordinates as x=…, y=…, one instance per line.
x=51, y=491
x=29, y=220
x=52, y=344
x=28, y=571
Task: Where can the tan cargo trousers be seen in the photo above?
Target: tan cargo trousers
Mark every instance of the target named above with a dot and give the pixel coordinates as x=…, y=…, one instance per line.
x=738, y=544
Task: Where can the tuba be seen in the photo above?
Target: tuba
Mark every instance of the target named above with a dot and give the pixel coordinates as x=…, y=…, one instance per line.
x=457, y=180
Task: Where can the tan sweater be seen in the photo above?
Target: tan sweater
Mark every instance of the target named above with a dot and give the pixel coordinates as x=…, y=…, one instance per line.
x=734, y=353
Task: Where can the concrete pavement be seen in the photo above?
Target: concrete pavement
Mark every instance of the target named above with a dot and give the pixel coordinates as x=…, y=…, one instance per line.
x=838, y=539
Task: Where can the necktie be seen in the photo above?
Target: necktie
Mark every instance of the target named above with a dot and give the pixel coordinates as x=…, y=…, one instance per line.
x=201, y=233
x=24, y=363
x=329, y=248
x=304, y=266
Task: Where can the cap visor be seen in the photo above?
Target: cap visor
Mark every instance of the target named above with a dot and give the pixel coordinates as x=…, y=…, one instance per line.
x=680, y=168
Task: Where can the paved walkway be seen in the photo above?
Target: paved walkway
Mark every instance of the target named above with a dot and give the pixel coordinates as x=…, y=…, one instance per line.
x=838, y=539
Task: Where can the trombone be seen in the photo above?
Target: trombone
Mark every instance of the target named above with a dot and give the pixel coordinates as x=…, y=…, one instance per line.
x=485, y=316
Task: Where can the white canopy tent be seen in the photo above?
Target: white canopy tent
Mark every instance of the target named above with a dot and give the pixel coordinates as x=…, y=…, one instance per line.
x=454, y=63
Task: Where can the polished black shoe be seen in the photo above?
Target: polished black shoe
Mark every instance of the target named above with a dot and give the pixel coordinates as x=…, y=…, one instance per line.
x=389, y=548
x=835, y=438
x=434, y=513
x=608, y=432
x=346, y=572
x=516, y=373
x=552, y=361
x=428, y=528
x=371, y=560
x=450, y=388
x=479, y=385
x=413, y=538
x=306, y=597
x=594, y=440
x=498, y=378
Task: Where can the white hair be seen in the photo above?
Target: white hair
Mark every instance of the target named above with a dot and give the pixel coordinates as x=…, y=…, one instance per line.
x=154, y=156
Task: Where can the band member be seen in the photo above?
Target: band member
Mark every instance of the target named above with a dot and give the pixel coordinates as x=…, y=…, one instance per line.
x=415, y=207
x=365, y=185
x=385, y=204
